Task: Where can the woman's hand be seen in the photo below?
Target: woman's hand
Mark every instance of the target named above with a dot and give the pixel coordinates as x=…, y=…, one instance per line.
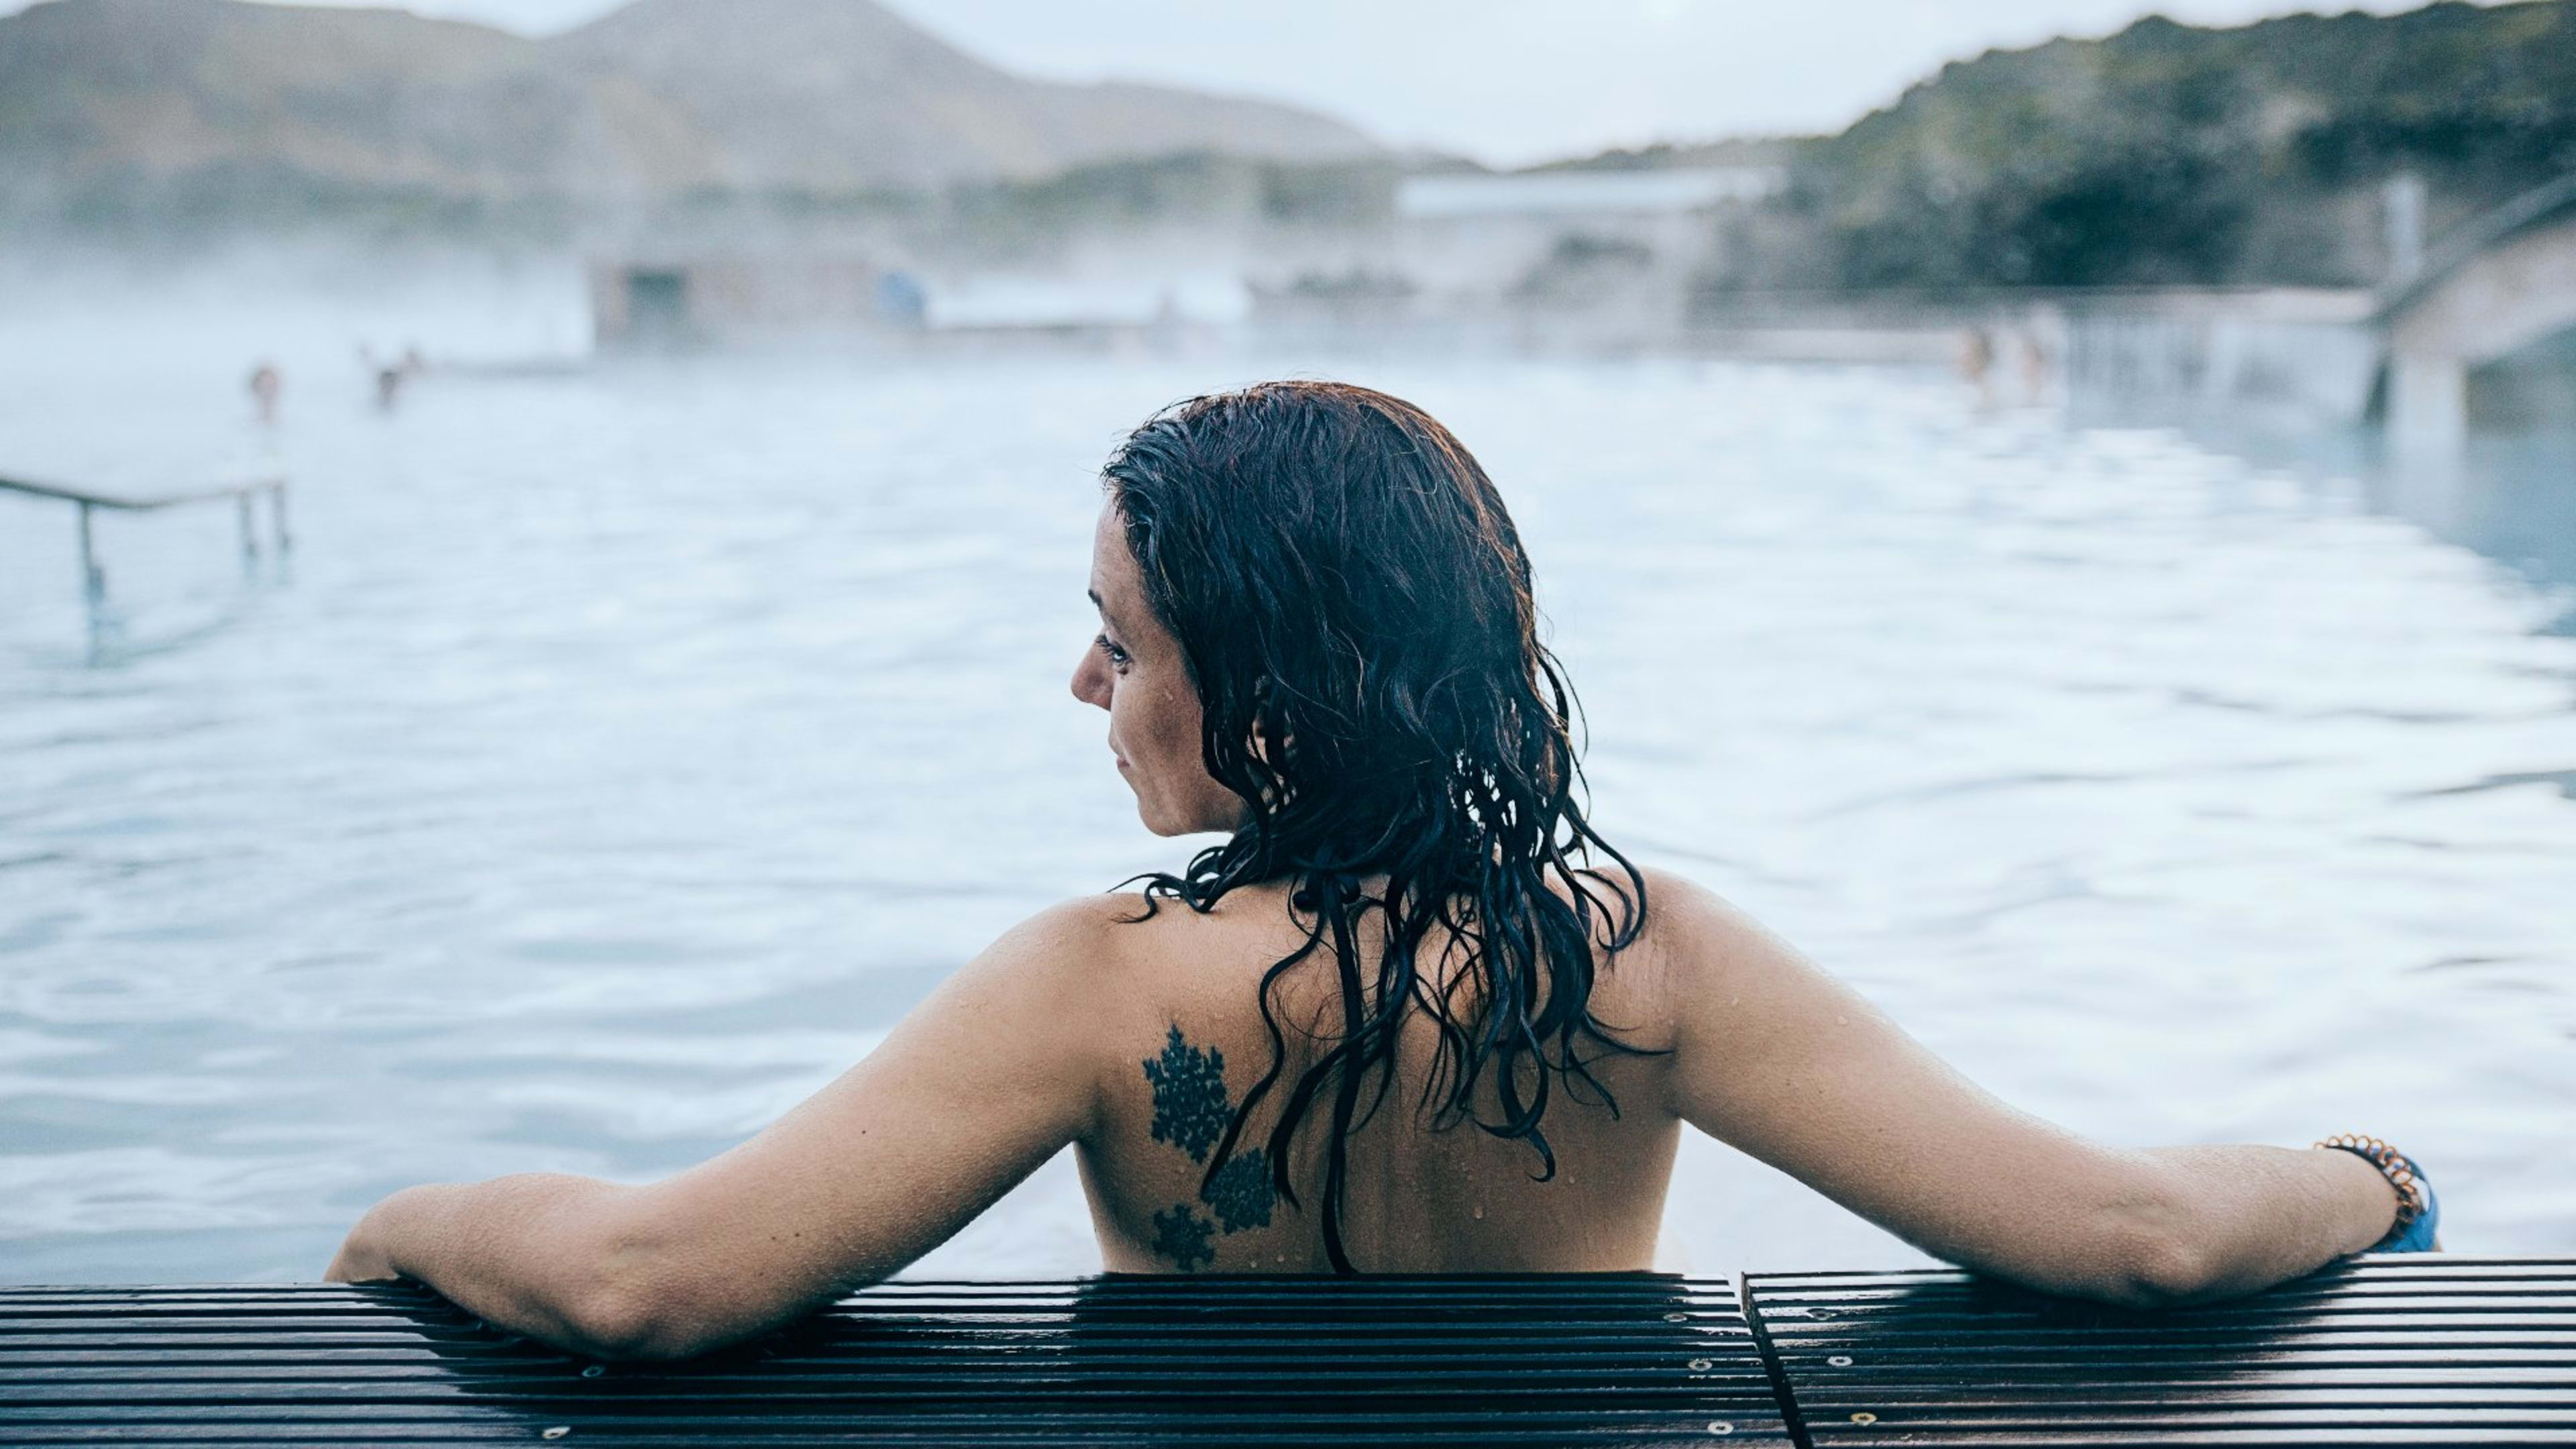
x=366, y=1255
x=359, y=1261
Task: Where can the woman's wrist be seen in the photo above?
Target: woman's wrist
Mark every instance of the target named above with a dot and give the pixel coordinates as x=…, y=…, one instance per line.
x=2367, y=1203
x=2417, y=1218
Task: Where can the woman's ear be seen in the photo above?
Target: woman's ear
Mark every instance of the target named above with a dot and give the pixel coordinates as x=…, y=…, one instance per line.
x=1269, y=744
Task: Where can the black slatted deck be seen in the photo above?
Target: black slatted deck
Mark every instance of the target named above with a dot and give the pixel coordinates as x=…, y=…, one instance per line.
x=2411, y=1350
x=2414, y=1349
x=1627, y=1359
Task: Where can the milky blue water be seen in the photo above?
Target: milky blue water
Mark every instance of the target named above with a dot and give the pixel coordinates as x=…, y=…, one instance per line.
x=626, y=745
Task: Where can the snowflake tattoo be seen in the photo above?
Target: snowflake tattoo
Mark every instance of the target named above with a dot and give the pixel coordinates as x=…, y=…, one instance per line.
x=1182, y=1236
x=1241, y=1193
x=1192, y=1112
x=1190, y=1108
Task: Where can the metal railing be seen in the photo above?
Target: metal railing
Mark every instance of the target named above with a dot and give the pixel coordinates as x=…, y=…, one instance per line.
x=243, y=494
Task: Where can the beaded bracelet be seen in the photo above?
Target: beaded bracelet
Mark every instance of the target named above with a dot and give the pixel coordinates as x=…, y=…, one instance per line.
x=2418, y=1212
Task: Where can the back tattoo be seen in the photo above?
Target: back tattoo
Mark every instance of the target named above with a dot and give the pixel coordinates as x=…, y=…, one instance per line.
x=1191, y=1111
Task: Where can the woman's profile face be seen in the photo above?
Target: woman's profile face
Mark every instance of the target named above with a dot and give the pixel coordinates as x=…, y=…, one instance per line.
x=1133, y=669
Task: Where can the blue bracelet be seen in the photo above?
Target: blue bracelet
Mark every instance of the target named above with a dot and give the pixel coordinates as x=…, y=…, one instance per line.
x=2419, y=1212
x=2418, y=1236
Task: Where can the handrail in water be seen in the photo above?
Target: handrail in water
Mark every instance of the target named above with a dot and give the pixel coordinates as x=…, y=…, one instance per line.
x=96, y=499
x=94, y=578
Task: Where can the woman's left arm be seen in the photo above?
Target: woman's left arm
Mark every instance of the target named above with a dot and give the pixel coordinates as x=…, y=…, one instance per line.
x=969, y=1094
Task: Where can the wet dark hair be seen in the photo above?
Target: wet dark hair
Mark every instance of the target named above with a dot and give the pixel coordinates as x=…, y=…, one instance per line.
x=1354, y=609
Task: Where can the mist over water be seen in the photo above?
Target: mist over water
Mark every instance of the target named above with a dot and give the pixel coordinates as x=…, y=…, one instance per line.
x=627, y=744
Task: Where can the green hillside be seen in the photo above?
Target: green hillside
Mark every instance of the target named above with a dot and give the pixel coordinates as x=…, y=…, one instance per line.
x=2174, y=154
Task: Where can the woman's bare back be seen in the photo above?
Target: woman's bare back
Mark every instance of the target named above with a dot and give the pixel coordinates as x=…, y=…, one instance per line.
x=1184, y=1043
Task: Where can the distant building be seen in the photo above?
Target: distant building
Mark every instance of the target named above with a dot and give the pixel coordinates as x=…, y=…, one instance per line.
x=998, y=302
x=1584, y=194
x=1511, y=233
x=715, y=298
x=1585, y=259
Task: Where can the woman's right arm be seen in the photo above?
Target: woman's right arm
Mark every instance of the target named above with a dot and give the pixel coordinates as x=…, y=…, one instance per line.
x=1784, y=1062
x=970, y=1092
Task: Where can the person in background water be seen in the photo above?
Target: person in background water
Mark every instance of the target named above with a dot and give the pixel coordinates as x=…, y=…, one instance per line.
x=390, y=376
x=1412, y=1012
x=1977, y=364
x=265, y=385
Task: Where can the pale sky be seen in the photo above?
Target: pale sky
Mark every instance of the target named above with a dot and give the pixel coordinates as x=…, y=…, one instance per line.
x=1506, y=81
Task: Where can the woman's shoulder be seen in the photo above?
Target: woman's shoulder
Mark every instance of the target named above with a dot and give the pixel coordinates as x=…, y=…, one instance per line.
x=1690, y=906
x=1096, y=938
x=1679, y=913
x=1080, y=936
x=1691, y=937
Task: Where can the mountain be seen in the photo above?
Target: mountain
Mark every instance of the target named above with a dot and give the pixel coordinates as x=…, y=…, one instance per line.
x=186, y=102
x=838, y=94
x=172, y=109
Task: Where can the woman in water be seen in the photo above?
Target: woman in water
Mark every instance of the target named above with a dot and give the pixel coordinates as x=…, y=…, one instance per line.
x=1414, y=1013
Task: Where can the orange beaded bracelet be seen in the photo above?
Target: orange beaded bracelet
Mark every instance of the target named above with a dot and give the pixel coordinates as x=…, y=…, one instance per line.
x=2394, y=1165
